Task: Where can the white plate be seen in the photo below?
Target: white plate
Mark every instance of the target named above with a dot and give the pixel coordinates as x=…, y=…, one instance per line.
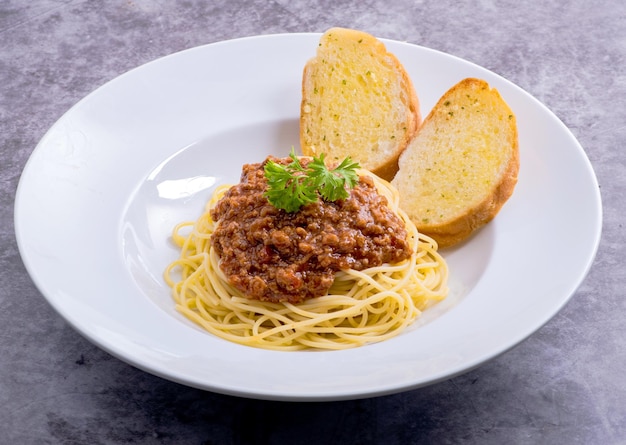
x=101, y=192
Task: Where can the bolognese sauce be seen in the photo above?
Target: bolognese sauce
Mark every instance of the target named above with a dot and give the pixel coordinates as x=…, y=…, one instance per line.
x=271, y=255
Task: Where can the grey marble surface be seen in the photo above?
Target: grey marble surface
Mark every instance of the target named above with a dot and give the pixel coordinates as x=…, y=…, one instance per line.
x=566, y=384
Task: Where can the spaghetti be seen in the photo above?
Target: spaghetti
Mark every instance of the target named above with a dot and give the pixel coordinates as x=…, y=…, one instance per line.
x=361, y=307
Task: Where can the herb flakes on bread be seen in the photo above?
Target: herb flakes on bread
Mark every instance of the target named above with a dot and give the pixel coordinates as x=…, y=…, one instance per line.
x=462, y=164
x=357, y=101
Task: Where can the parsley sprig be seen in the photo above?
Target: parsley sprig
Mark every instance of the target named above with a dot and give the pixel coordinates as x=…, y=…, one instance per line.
x=291, y=186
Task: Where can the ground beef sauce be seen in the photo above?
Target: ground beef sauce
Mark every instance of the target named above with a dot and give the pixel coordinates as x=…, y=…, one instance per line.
x=272, y=255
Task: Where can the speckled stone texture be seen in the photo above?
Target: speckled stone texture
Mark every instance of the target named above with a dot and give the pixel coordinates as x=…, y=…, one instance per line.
x=564, y=385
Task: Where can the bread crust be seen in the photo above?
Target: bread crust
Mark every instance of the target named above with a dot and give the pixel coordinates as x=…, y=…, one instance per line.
x=474, y=217
x=387, y=167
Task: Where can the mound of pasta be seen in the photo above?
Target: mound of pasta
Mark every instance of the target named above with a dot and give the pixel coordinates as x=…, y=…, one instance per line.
x=330, y=275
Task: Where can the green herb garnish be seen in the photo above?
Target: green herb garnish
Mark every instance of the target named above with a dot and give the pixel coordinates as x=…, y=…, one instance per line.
x=292, y=186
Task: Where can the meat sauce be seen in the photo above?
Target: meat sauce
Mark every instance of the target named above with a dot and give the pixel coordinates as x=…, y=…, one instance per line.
x=272, y=255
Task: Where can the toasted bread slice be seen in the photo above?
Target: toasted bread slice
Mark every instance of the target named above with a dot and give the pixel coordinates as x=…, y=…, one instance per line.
x=462, y=165
x=357, y=101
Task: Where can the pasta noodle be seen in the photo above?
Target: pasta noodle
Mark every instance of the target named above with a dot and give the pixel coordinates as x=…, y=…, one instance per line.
x=361, y=307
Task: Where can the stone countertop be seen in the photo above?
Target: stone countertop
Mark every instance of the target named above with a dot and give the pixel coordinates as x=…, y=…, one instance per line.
x=564, y=384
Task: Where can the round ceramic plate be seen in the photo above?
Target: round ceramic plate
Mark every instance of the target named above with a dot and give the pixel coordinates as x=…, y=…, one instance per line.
x=99, y=197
